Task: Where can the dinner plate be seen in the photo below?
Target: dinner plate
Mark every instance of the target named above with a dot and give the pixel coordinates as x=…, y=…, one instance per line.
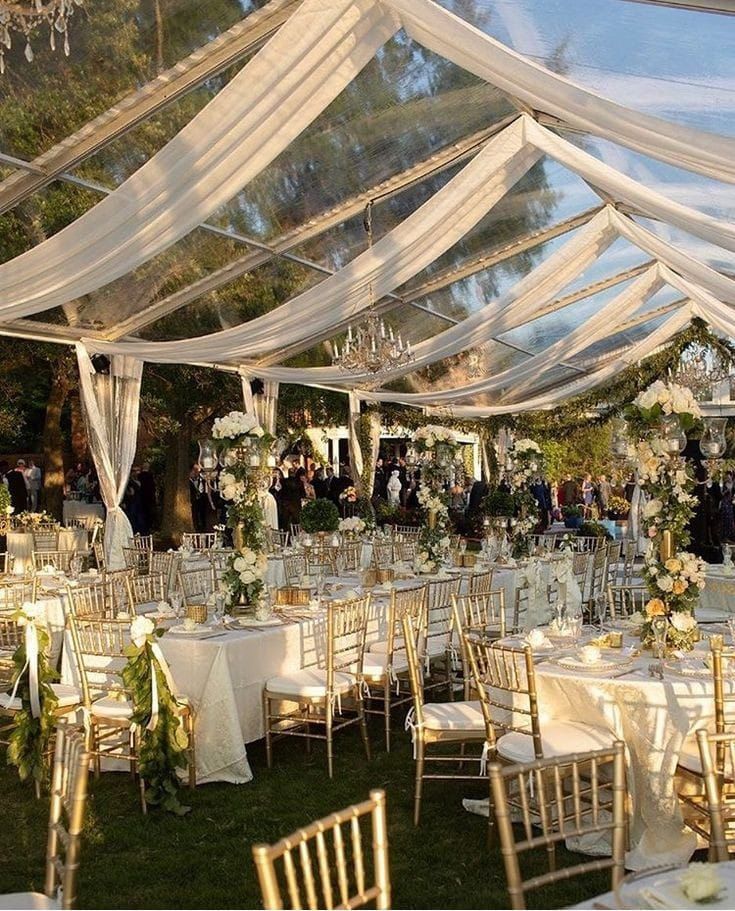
x=661, y=889
x=199, y=632
x=572, y=663
x=252, y=621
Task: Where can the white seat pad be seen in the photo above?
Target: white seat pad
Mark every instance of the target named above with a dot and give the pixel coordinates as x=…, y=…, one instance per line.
x=558, y=738
x=27, y=900
x=374, y=664
x=381, y=646
x=108, y=707
x=66, y=695
x=453, y=716
x=310, y=683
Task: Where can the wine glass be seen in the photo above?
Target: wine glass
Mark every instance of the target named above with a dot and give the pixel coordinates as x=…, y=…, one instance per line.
x=601, y=609
x=660, y=629
x=176, y=600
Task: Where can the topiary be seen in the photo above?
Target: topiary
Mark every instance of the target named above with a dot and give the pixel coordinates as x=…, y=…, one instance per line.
x=594, y=530
x=319, y=515
x=499, y=503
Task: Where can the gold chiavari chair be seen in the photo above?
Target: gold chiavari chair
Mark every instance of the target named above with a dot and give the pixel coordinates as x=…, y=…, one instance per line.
x=294, y=568
x=349, y=556
x=116, y=581
x=7, y=562
x=405, y=551
x=46, y=538
x=385, y=667
x=66, y=819
x=100, y=656
x=196, y=585
x=91, y=601
x=586, y=544
x=200, y=540
x=717, y=759
x=438, y=648
x=275, y=540
x=624, y=600
x=480, y=613
x=145, y=590
x=406, y=533
x=630, y=550
x=142, y=542
x=165, y=563
x=138, y=559
x=321, y=558
x=295, y=531
x=520, y=608
x=218, y=557
x=439, y=724
x=15, y=591
x=581, y=566
x=510, y=688
x=614, y=552
x=60, y=560
x=383, y=554
x=316, y=695
x=98, y=548
x=340, y=876
x=481, y=583
x=596, y=579
x=574, y=795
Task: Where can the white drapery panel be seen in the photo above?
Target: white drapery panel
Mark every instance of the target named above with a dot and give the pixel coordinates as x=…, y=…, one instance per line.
x=110, y=404
x=626, y=190
x=263, y=404
x=415, y=243
x=598, y=326
x=248, y=400
x=542, y=90
x=551, y=399
x=289, y=82
x=354, y=446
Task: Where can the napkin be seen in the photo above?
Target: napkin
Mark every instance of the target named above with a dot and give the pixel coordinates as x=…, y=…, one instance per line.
x=350, y=594
x=536, y=638
x=314, y=604
x=164, y=609
x=92, y=572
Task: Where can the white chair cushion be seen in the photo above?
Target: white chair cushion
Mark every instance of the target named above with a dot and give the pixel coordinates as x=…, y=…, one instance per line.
x=27, y=900
x=689, y=757
x=310, y=683
x=558, y=738
x=381, y=646
x=67, y=695
x=374, y=664
x=108, y=707
x=436, y=646
x=453, y=716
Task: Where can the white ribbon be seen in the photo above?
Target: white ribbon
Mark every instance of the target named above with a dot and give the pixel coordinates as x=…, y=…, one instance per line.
x=166, y=671
x=412, y=725
x=31, y=665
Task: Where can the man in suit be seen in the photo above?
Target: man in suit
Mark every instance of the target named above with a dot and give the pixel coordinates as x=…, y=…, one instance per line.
x=18, y=487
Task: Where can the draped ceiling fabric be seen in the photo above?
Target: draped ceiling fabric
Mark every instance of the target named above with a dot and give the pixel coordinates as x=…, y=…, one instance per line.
x=674, y=253
x=110, y=403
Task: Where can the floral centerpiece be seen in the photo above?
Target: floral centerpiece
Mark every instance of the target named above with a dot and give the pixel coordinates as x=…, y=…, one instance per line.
x=352, y=526
x=434, y=540
x=158, y=717
x=31, y=520
x=673, y=576
x=348, y=495
x=526, y=459
x=431, y=436
x=244, y=444
x=618, y=507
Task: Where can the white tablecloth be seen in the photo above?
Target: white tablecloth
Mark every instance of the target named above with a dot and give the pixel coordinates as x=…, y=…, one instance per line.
x=653, y=718
x=77, y=509
x=719, y=590
x=20, y=546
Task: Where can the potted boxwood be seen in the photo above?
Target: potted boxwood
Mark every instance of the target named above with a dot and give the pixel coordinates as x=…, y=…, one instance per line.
x=572, y=516
x=319, y=515
x=594, y=530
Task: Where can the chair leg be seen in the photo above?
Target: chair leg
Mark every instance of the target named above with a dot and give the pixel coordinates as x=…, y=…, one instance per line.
x=419, y=778
x=192, y=757
x=386, y=713
x=330, y=752
x=267, y=723
x=363, y=723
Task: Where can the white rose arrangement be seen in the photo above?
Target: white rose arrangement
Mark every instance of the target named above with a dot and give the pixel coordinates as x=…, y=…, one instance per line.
x=701, y=883
x=352, y=525
x=140, y=630
x=236, y=424
x=427, y=437
x=667, y=398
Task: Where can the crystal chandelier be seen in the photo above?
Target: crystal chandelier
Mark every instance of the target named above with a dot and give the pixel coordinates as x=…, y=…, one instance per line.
x=700, y=368
x=372, y=347
x=26, y=18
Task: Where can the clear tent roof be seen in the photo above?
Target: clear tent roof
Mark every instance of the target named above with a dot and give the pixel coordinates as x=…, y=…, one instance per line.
x=399, y=132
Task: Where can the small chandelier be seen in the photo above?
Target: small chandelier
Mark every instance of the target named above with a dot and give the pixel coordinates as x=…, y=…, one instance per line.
x=700, y=368
x=372, y=347
x=26, y=18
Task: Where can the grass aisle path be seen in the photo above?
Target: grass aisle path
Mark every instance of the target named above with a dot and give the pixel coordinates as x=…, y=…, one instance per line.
x=204, y=859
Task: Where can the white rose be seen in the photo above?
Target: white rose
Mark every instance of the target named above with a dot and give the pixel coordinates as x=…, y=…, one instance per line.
x=665, y=583
x=249, y=556
x=239, y=565
x=140, y=629
x=247, y=577
x=701, y=882
x=682, y=621
x=257, y=431
x=652, y=508
x=646, y=400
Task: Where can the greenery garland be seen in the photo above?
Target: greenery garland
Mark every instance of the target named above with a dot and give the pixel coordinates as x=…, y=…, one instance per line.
x=29, y=740
x=162, y=749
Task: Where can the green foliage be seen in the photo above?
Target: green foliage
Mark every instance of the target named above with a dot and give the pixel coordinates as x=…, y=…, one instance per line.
x=594, y=530
x=319, y=515
x=4, y=499
x=163, y=749
x=498, y=503
x=571, y=511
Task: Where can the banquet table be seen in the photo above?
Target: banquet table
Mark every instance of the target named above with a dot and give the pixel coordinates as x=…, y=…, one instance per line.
x=78, y=509
x=20, y=546
x=719, y=590
x=653, y=717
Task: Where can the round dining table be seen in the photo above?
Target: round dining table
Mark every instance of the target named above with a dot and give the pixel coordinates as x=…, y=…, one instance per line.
x=20, y=546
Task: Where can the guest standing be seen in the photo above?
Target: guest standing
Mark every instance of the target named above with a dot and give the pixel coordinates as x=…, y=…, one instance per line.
x=394, y=488
x=291, y=494
x=33, y=483
x=17, y=487
x=147, y=497
x=198, y=498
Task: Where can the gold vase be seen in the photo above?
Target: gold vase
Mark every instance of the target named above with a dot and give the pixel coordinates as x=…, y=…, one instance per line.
x=432, y=518
x=666, y=550
x=238, y=536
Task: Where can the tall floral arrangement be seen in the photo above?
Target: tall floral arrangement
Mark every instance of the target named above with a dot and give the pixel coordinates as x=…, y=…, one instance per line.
x=433, y=543
x=673, y=575
x=244, y=446
x=525, y=460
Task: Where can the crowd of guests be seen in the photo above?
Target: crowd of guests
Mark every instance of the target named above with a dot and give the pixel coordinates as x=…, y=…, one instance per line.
x=81, y=483
x=23, y=483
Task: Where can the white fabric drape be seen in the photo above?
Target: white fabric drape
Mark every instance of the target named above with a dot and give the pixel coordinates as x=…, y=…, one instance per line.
x=248, y=400
x=289, y=82
x=353, y=441
x=269, y=406
x=110, y=404
x=411, y=246
x=596, y=327
x=542, y=90
x=546, y=401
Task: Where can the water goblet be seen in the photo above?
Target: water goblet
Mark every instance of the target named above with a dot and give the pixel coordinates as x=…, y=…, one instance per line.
x=600, y=610
x=660, y=629
x=176, y=601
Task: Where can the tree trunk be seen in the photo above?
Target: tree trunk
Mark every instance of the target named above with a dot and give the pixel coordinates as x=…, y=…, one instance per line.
x=79, y=445
x=176, y=514
x=53, y=448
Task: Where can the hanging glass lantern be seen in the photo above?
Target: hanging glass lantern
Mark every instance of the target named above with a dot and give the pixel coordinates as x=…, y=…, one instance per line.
x=713, y=442
x=672, y=434
x=208, y=457
x=619, y=443
x=443, y=455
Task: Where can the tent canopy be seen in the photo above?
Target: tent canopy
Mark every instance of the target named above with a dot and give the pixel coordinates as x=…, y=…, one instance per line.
x=552, y=187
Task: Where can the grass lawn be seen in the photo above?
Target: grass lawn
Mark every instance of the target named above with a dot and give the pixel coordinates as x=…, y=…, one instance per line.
x=204, y=861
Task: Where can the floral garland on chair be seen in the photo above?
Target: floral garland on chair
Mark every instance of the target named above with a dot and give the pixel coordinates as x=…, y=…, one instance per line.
x=241, y=434
x=157, y=714
x=673, y=579
x=34, y=723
